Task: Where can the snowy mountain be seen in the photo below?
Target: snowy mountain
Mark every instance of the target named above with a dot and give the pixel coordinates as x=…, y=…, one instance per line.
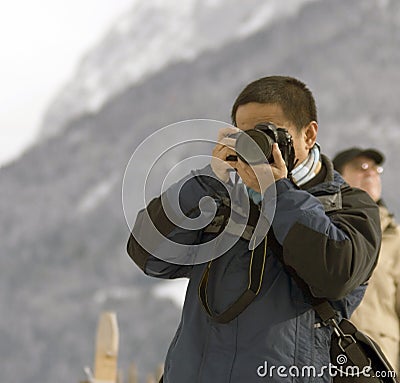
x=150, y=37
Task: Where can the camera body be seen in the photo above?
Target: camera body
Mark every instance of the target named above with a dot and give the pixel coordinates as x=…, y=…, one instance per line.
x=254, y=146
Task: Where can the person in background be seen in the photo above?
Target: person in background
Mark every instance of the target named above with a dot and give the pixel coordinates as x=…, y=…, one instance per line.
x=379, y=312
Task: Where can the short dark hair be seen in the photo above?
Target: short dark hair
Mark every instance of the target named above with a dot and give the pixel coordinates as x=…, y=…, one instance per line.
x=293, y=96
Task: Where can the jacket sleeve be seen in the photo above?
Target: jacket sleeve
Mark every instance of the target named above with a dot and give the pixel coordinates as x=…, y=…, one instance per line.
x=396, y=254
x=155, y=238
x=332, y=252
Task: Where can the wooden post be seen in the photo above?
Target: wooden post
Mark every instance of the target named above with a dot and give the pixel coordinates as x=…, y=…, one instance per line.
x=106, y=356
x=107, y=341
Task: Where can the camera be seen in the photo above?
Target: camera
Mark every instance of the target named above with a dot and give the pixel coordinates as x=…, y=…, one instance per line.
x=254, y=146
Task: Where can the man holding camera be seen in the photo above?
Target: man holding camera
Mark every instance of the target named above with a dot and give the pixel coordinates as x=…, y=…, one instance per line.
x=248, y=315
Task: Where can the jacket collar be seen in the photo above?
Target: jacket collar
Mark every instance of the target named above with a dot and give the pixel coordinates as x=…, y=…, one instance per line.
x=331, y=183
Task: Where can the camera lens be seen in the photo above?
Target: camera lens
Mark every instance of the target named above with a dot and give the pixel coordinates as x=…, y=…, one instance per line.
x=254, y=147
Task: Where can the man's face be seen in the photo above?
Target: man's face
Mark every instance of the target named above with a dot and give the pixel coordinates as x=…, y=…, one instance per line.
x=363, y=173
x=251, y=114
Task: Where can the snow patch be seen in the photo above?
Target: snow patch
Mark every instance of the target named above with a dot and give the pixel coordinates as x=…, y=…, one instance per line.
x=153, y=35
x=172, y=289
x=95, y=195
x=115, y=293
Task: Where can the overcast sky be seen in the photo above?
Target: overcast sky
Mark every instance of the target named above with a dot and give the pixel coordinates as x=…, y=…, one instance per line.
x=41, y=42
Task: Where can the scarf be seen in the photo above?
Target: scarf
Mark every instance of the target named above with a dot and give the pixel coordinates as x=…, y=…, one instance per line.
x=309, y=168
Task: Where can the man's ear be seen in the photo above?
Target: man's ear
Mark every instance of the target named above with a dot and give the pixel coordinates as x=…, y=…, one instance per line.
x=310, y=134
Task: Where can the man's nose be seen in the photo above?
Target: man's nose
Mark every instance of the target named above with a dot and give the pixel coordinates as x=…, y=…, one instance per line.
x=371, y=172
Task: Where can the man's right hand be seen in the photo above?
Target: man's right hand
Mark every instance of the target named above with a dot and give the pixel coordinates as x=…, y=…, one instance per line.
x=224, y=148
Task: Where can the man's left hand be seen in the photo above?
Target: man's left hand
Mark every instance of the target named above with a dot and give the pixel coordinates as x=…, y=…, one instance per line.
x=259, y=177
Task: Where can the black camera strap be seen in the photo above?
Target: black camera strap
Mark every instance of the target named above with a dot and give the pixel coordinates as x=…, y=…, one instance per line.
x=256, y=273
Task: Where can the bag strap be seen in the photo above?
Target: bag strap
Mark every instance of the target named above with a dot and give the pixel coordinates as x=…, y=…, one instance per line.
x=256, y=273
x=345, y=332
